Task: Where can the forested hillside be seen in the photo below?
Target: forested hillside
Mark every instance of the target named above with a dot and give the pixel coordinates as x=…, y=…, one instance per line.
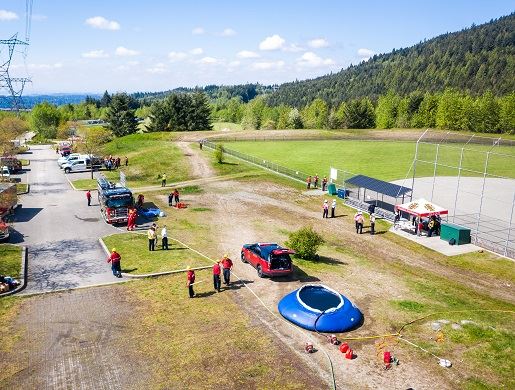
x=474, y=60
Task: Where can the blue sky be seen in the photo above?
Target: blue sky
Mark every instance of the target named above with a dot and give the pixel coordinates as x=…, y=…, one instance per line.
x=129, y=45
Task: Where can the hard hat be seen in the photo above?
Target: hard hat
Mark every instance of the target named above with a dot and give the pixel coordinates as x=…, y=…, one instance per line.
x=188, y=268
x=113, y=250
x=226, y=255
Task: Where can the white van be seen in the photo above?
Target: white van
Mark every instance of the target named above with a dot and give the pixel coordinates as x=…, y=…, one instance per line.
x=80, y=165
x=6, y=174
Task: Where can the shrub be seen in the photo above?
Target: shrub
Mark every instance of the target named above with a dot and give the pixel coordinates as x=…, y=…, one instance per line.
x=305, y=242
x=219, y=154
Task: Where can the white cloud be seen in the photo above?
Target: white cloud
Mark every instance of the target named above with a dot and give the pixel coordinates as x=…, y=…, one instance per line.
x=177, y=56
x=209, y=61
x=95, y=54
x=228, y=32
x=294, y=48
x=234, y=64
x=275, y=42
x=124, y=52
x=197, y=51
x=247, y=54
x=365, y=54
x=39, y=17
x=102, y=23
x=6, y=16
x=57, y=65
x=310, y=59
x=198, y=31
x=318, y=43
x=268, y=65
x=158, y=68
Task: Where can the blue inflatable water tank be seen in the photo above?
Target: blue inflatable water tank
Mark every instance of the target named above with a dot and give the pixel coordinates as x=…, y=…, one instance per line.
x=320, y=308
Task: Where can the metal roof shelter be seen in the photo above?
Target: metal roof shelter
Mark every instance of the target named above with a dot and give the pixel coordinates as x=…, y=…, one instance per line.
x=379, y=186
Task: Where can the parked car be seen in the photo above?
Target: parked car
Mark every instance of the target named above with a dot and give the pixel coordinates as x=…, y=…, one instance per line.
x=6, y=173
x=81, y=165
x=268, y=259
x=8, y=202
x=12, y=163
x=68, y=159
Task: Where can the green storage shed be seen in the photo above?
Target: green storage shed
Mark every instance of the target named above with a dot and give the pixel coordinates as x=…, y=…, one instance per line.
x=460, y=234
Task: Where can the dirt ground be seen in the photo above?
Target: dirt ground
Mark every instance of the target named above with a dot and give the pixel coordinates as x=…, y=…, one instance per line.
x=75, y=340
x=246, y=212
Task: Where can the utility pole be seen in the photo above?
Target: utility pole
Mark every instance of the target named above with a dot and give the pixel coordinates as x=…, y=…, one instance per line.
x=14, y=86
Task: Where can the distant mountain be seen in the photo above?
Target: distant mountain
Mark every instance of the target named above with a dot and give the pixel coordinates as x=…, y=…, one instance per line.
x=245, y=91
x=478, y=59
x=30, y=101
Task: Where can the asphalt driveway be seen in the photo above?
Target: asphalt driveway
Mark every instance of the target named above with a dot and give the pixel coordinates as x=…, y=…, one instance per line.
x=59, y=229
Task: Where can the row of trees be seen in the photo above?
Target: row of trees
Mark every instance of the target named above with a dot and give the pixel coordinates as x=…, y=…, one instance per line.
x=181, y=112
x=448, y=110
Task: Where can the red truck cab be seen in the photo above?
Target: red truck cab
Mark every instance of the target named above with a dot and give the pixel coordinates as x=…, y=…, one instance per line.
x=269, y=259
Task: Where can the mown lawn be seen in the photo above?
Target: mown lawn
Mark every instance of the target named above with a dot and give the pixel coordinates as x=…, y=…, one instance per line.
x=150, y=155
x=386, y=160
x=10, y=260
x=85, y=184
x=137, y=259
x=208, y=341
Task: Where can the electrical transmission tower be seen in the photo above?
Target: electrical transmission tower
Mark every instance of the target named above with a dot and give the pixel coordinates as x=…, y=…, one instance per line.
x=14, y=86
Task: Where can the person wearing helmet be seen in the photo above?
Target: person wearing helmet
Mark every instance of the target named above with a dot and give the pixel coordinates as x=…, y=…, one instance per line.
x=190, y=276
x=333, y=208
x=325, y=207
x=216, y=276
x=115, y=258
x=227, y=265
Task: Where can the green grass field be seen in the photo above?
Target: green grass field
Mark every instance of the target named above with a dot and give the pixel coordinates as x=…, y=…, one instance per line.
x=150, y=155
x=386, y=160
x=137, y=259
x=10, y=260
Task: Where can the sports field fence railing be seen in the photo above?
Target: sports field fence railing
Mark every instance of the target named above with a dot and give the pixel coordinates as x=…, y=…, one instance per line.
x=269, y=165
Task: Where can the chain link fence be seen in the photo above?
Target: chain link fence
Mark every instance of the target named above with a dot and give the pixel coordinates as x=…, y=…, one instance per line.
x=271, y=166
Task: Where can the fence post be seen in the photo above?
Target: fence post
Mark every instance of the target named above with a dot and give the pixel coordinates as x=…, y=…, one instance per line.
x=509, y=227
x=434, y=171
x=457, y=186
x=482, y=195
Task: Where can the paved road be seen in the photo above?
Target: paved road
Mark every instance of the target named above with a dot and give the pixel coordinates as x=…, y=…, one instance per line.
x=59, y=229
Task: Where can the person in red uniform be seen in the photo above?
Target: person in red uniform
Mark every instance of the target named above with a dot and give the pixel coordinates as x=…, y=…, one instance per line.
x=115, y=260
x=88, y=197
x=227, y=264
x=324, y=183
x=131, y=219
x=308, y=182
x=216, y=276
x=190, y=276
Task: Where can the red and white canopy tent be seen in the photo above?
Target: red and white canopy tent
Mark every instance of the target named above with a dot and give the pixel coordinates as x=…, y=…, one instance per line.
x=421, y=208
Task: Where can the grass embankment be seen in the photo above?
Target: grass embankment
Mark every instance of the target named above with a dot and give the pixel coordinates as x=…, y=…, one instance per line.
x=137, y=259
x=10, y=260
x=196, y=343
x=22, y=188
x=9, y=334
x=85, y=184
x=386, y=160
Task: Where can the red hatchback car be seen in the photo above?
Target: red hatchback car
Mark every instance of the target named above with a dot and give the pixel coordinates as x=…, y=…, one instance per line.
x=268, y=259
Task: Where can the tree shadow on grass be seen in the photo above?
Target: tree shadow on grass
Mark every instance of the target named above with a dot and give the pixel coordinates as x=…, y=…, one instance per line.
x=129, y=270
x=228, y=163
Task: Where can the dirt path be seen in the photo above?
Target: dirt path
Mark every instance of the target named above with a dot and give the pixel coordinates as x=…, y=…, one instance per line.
x=200, y=168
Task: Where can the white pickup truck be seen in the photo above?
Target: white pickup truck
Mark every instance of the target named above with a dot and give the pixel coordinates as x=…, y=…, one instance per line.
x=80, y=165
x=70, y=158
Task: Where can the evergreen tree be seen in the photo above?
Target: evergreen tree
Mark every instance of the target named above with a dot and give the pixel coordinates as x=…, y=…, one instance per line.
x=449, y=113
x=316, y=114
x=106, y=100
x=488, y=114
x=120, y=117
x=359, y=114
x=159, y=117
x=199, y=113
x=426, y=113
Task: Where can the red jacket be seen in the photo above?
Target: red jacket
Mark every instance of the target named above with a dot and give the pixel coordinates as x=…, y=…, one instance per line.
x=114, y=257
x=227, y=263
x=191, y=277
x=216, y=269
x=88, y=195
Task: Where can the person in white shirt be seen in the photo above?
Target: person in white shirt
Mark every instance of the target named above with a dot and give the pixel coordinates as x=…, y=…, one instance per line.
x=164, y=238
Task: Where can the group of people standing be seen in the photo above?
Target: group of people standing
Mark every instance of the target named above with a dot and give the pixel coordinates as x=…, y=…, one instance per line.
x=222, y=266
x=359, y=221
x=174, y=195
x=114, y=162
x=325, y=208
x=314, y=181
x=152, y=237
